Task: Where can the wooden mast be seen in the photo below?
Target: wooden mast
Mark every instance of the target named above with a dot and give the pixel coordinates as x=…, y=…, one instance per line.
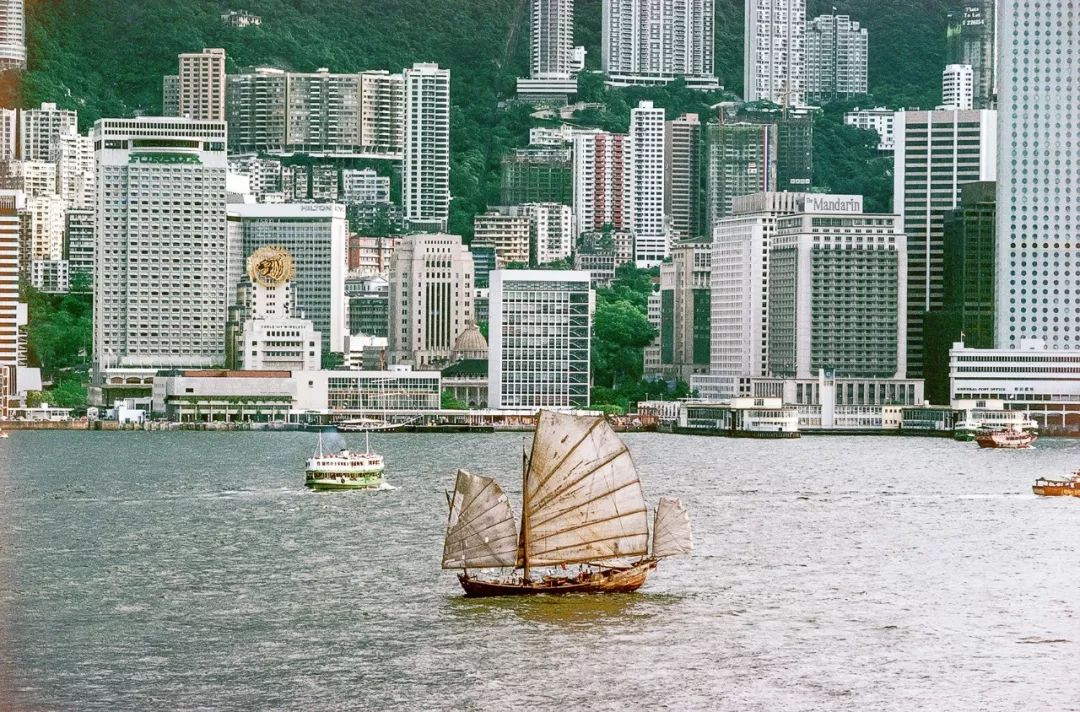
x=524, y=510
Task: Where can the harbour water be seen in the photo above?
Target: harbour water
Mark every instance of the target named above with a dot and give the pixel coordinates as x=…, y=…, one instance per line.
x=188, y=571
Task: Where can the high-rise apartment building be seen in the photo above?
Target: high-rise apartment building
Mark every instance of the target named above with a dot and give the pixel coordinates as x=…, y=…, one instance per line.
x=601, y=181
x=1038, y=201
x=10, y=205
x=161, y=278
x=382, y=112
x=425, y=181
x=364, y=185
x=12, y=34
x=9, y=134
x=794, y=130
x=39, y=126
x=431, y=298
x=201, y=85
x=551, y=231
x=274, y=111
x=837, y=52
x=647, y=163
x=170, y=95
x=741, y=161
x=537, y=175
x=316, y=237
x=880, y=120
x=937, y=153
x=79, y=247
x=971, y=38
x=836, y=296
x=774, y=51
x=656, y=41
x=683, y=176
x=73, y=155
x=957, y=87
x=540, y=326
x=551, y=51
x=508, y=233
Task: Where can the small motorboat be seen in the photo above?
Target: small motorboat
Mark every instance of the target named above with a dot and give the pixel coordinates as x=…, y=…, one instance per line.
x=1058, y=488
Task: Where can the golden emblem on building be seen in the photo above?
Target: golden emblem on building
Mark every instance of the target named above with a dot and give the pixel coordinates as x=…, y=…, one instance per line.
x=270, y=266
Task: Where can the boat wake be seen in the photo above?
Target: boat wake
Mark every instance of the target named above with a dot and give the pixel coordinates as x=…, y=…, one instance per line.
x=386, y=486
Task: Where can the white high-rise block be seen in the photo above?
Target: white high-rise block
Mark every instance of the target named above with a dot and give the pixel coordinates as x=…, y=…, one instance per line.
x=425, y=183
x=647, y=151
x=161, y=282
x=1038, y=204
x=957, y=87
x=774, y=59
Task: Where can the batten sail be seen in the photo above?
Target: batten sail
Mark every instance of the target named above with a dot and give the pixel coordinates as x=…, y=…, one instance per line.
x=481, y=532
x=583, y=499
x=671, y=529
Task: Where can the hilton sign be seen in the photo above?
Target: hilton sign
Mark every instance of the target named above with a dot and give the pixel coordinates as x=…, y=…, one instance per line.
x=833, y=203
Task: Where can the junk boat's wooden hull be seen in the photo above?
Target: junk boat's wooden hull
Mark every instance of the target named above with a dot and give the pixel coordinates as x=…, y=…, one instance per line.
x=1007, y=441
x=612, y=580
x=1056, y=488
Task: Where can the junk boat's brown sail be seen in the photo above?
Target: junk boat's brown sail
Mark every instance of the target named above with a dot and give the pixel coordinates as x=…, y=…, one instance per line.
x=582, y=506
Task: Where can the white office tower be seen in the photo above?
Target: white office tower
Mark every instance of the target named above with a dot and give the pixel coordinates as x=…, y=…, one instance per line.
x=836, y=296
x=431, y=298
x=739, y=291
x=775, y=51
x=37, y=128
x=73, y=155
x=425, y=180
x=551, y=231
x=316, y=237
x=837, y=52
x=274, y=337
x=1038, y=204
x=937, y=153
x=161, y=288
x=201, y=85
x=957, y=87
x=647, y=160
x=655, y=41
x=601, y=181
x=538, y=347
x=551, y=52
x=12, y=35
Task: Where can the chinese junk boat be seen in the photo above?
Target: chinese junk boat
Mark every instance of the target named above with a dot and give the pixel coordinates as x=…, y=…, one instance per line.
x=1008, y=439
x=582, y=506
x=344, y=470
x=1058, y=488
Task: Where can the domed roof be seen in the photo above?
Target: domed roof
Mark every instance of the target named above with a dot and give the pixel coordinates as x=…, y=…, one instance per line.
x=470, y=343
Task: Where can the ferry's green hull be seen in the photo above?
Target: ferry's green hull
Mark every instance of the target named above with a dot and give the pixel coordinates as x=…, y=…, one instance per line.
x=361, y=483
x=966, y=436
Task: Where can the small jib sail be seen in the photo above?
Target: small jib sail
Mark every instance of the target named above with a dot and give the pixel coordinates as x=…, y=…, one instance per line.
x=481, y=532
x=583, y=500
x=671, y=529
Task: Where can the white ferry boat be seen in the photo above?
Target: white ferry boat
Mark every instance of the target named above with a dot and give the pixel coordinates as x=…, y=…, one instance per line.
x=344, y=469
